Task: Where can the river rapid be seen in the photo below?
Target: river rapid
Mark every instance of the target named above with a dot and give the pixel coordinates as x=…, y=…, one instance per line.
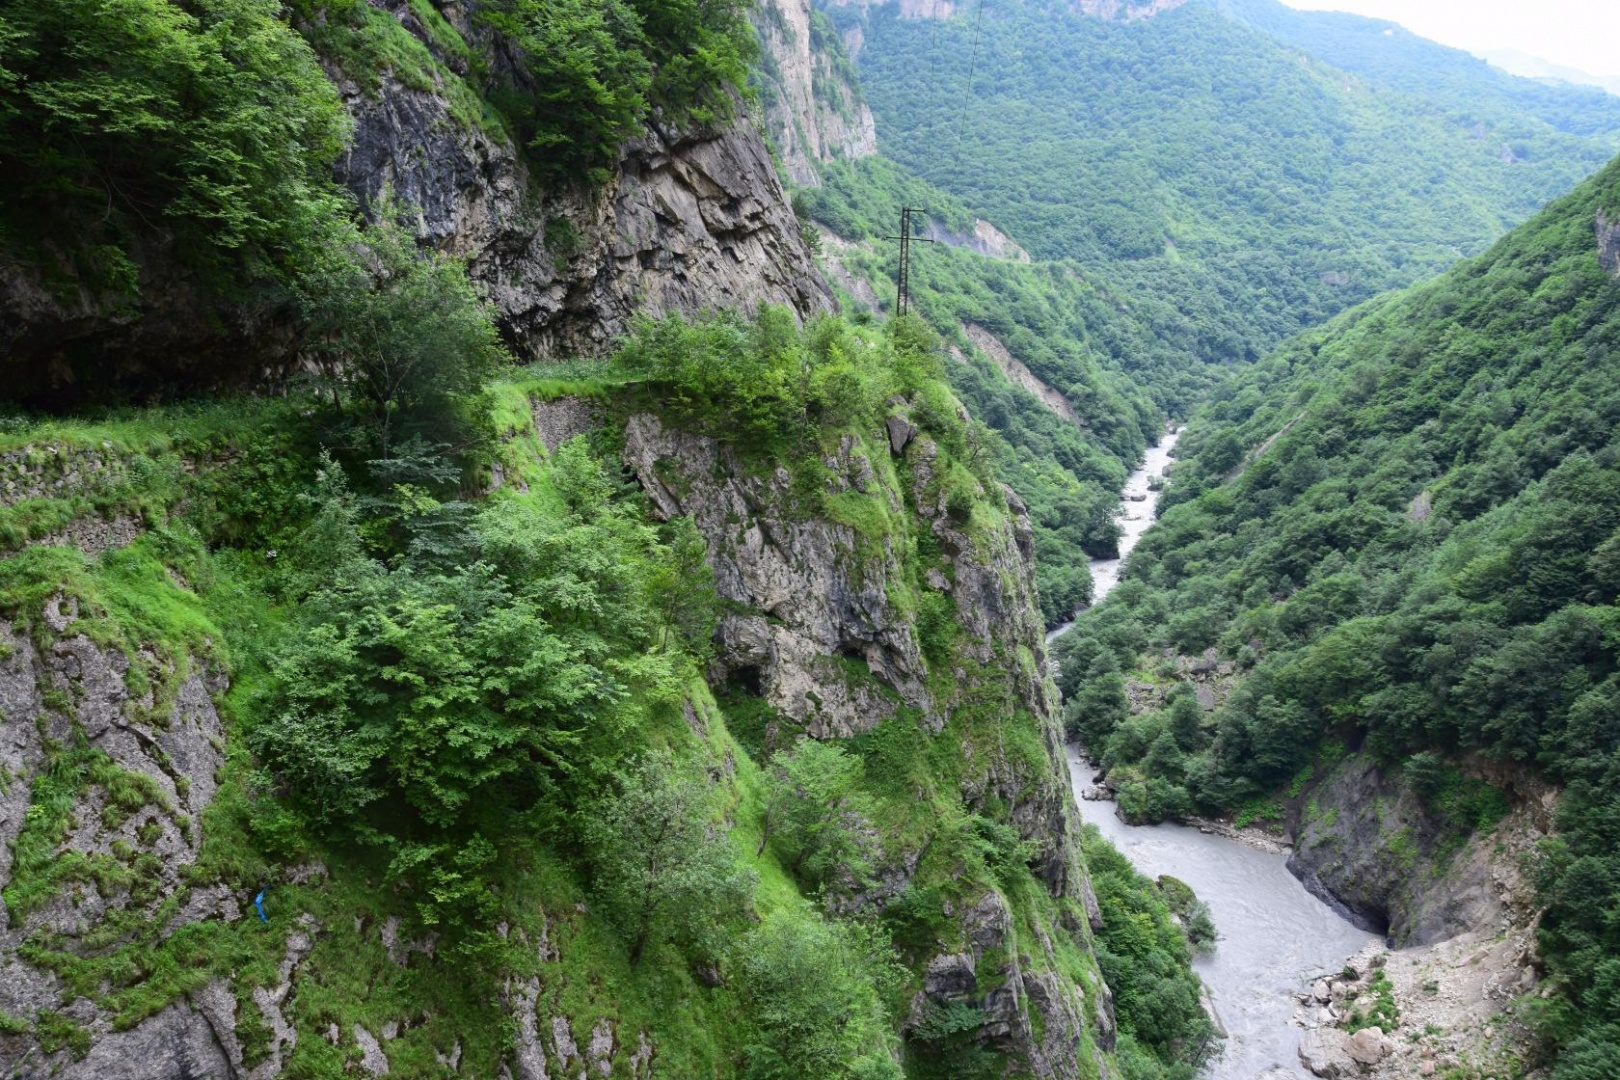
x=1274, y=936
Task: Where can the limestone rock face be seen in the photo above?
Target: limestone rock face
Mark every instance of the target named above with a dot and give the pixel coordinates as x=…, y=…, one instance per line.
x=1608, y=242
x=690, y=221
x=1373, y=849
x=813, y=114
x=812, y=627
x=805, y=600
x=1125, y=10
x=50, y=697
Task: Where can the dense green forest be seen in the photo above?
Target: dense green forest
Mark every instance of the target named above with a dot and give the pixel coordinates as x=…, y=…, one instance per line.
x=1405, y=529
x=1199, y=162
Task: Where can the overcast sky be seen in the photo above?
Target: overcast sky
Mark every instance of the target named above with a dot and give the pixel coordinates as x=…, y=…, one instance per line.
x=1583, y=34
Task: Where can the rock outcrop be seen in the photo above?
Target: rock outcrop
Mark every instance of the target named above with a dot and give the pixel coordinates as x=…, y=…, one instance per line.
x=691, y=220
x=814, y=111
x=1366, y=843
x=1608, y=242
x=1020, y=375
x=985, y=239
x=813, y=627
x=113, y=860
x=1125, y=10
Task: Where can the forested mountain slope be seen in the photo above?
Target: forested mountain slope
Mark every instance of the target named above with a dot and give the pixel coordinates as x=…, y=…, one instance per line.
x=1402, y=529
x=683, y=712
x=1198, y=162
x=1265, y=190
x=1450, y=79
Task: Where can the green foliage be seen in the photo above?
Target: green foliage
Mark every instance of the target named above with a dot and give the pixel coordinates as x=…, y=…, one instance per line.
x=814, y=993
x=208, y=118
x=766, y=386
x=1196, y=921
x=816, y=817
x=1404, y=62
x=496, y=655
x=1411, y=548
x=404, y=344
x=1071, y=333
x=593, y=71
x=366, y=41
x=661, y=868
x=1382, y=1013
x=1464, y=804
x=1144, y=957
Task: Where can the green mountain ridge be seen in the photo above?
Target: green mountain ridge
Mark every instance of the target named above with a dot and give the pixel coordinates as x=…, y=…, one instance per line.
x=1200, y=162
x=1403, y=528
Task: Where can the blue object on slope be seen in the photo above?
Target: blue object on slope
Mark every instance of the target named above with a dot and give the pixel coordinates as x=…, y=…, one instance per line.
x=258, y=905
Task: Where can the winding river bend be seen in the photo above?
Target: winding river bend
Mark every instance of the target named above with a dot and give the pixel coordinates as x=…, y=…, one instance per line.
x=1274, y=936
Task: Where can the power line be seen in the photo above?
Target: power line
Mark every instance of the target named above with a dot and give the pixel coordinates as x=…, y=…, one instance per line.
x=967, y=93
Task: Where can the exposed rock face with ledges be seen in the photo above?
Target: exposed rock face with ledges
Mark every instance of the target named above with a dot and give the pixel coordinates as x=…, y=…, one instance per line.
x=690, y=220
x=813, y=113
x=1366, y=843
x=74, y=691
x=1608, y=242
x=808, y=596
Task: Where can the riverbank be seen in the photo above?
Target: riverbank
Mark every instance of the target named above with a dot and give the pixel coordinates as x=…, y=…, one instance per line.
x=1250, y=836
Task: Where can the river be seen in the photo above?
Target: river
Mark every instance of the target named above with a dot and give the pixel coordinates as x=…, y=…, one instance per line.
x=1139, y=505
x=1274, y=936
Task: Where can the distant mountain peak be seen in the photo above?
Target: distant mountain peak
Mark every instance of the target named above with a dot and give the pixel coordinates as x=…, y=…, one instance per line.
x=1518, y=62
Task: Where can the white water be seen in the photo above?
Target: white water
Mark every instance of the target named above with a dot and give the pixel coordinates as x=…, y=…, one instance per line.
x=1274, y=936
x=1134, y=519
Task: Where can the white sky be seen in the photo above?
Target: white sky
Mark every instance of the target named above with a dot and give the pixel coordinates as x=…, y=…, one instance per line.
x=1583, y=34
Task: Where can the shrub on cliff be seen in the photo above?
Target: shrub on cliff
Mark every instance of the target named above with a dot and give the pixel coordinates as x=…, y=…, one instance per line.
x=592, y=71
x=403, y=344
x=430, y=697
x=209, y=120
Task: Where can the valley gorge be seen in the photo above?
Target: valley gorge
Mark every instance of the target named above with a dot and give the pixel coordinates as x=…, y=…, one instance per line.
x=489, y=587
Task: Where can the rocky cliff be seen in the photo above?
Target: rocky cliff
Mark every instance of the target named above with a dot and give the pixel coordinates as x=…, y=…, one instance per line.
x=1459, y=910
x=1125, y=10
x=1608, y=242
x=691, y=220
x=814, y=111
x=899, y=619
x=1366, y=842
x=821, y=626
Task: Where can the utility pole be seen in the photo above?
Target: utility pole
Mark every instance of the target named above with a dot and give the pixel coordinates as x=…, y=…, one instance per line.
x=902, y=298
